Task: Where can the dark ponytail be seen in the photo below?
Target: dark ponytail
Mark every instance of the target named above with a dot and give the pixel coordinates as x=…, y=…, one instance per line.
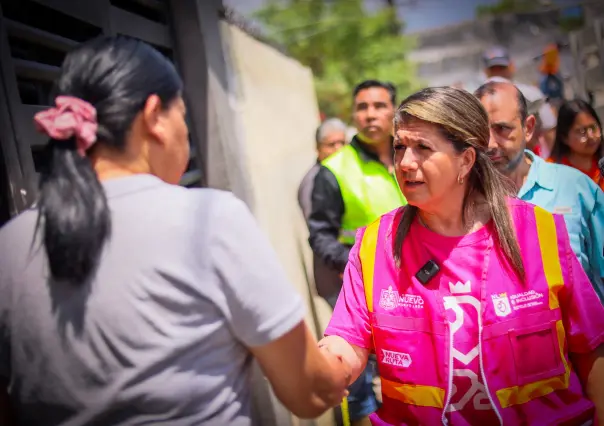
x=116, y=75
x=74, y=213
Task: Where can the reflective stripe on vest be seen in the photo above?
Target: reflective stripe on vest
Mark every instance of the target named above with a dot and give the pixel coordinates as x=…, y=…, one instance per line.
x=368, y=190
x=345, y=412
x=431, y=396
x=548, y=242
x=424, y=396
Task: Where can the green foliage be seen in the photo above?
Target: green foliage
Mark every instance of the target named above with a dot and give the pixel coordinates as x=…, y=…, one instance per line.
x=343, y=44
x=506, y=6
x=571, y=23
x=566, y=23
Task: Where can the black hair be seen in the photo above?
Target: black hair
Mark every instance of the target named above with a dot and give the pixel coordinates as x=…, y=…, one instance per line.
x=489, y=88
x=367, y=84
x=566, y=119
x=116, y=75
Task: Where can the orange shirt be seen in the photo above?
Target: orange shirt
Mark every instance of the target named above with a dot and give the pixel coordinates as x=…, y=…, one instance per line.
x=593, y=172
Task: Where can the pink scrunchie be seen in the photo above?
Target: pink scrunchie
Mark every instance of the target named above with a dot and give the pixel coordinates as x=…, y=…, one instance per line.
x=72, y=117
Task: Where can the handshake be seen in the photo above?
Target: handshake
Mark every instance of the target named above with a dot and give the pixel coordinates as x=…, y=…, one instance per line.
x=347, y=361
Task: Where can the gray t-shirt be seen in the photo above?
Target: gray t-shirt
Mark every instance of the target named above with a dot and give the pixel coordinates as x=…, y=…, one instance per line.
x=186, y=283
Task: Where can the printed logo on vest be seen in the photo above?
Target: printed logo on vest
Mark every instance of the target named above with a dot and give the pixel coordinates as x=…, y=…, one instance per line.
x=390, y=299
x=501, y=303
x=460, y=288
x=398, y=359
x=526, y=299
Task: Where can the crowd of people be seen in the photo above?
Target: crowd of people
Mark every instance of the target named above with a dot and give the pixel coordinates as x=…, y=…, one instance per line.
x=536, y=150
x=460, y=245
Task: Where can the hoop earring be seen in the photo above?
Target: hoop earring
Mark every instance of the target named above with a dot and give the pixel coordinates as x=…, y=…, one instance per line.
x=459, y=179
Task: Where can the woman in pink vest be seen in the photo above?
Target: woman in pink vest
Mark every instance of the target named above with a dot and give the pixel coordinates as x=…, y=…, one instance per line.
x=473, y=301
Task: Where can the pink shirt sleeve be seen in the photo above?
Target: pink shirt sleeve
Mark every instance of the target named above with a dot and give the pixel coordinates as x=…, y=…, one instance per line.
x=582, y=311
x=350, y=319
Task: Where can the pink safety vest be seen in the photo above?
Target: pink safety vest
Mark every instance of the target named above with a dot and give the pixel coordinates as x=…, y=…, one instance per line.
x=547, y=393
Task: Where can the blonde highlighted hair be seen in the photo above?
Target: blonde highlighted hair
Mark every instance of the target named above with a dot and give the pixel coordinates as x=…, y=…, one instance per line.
x=463, y=121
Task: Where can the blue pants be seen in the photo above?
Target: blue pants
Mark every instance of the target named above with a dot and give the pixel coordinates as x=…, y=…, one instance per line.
x=361, y=398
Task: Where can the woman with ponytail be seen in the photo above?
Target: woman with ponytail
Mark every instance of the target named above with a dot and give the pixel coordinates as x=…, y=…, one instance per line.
x=126, y=299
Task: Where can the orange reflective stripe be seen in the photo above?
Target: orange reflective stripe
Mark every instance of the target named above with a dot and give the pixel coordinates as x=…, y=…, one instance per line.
x=367, y=255
x=548, y=241
x=550, y=257
x=420, y=395
x=522, y=394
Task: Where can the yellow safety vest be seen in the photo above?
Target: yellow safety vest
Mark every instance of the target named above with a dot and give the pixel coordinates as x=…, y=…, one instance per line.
x=367, y=188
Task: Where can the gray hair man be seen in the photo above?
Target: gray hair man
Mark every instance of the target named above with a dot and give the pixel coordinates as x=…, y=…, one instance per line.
x=330, y=136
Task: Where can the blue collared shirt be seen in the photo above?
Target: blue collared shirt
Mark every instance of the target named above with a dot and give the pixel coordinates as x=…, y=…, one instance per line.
x=564, y=190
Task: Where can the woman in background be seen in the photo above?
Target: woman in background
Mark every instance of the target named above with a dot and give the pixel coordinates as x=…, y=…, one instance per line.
x=579, y=141
x=127, y=299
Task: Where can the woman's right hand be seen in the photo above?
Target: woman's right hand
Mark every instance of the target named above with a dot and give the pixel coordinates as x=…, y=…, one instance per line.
x=341, y=362
x=343, y=371
x=306, y=379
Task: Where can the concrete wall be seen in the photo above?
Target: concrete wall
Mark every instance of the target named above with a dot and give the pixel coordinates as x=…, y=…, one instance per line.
x=261, y=117
x=274, y=97
x=453, y=54
x=587, y=46
x=225, y=143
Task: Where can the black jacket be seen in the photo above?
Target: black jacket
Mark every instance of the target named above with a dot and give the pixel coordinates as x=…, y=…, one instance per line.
x=325, y=219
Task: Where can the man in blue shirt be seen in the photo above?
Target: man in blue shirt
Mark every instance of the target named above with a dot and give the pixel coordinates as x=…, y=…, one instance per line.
x=554, y=187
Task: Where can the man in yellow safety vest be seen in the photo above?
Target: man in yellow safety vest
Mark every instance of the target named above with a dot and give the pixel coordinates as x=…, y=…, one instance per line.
x=352, y=188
